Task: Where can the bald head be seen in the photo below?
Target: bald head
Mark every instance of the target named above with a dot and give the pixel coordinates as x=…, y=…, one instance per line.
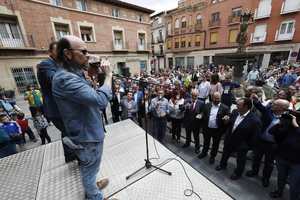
x=216, y=98
x=279, y=106
x=72, y=51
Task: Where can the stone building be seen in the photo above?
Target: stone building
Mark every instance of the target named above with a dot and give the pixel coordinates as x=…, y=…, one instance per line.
x=110, y=28
x=199, y=29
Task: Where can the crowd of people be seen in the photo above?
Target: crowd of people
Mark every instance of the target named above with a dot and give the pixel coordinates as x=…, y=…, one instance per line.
x=199, y=99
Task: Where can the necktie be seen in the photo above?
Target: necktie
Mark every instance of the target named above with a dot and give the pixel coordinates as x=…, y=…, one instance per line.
x=193, y=105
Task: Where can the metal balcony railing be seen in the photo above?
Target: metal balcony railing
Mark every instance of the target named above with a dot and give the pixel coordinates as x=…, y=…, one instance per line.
x=16, y=40
x=282, y=37
x=214, y=24
x=233, y=20
x=123, y=46
x=160, y=39
x=143, y=47
x=258, y=39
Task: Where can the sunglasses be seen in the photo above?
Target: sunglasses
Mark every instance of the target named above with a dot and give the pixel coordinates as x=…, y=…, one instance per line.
x=83, y=51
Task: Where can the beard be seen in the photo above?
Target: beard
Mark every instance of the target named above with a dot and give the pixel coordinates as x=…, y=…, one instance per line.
x=81, y=65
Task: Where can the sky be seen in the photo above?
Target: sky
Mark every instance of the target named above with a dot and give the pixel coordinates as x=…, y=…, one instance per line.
x=157, y=5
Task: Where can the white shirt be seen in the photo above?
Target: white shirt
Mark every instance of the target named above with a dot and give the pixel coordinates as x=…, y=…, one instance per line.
x=212, y=123
x=119, y=100
x=203, y=87
x=238, y=120
x=135, y=97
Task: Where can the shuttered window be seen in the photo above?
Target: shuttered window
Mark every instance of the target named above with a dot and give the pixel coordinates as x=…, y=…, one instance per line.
x=232, y=35
x=198, y=37
x=213, y=38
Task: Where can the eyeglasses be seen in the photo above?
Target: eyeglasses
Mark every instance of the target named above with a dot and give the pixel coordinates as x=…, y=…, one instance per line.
x=83, y=51
x=275, y=104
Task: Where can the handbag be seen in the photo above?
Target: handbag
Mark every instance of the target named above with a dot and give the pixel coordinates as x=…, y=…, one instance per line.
x=15, y=137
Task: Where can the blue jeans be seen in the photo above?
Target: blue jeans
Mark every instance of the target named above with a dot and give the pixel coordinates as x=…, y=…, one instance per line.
x=159, y=128
x=289, y=170
x=90, y=155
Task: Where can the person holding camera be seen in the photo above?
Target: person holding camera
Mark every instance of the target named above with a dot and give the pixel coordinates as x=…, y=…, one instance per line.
x=160, y=109
x=265, y=147
x=287, y=137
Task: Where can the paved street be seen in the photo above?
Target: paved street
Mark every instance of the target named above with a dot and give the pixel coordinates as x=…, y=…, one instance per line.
x=244, y=188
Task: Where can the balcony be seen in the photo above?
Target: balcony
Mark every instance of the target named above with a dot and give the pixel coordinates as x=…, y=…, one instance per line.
x=160, y=39
x=233, y=20
x=158, y=53
x=286, y=36
x=290, y=7
x=198, y=27
x=215, y=24
x=16, y=41
x=262, y=13
x=123, y=46
x=258, y=39
x=152, y=41
x=143, y=47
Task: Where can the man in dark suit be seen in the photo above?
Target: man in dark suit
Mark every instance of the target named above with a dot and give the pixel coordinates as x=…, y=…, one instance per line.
x=244, y=132
x=213, y=125
x=45, y=73
x=116, y=109
x=265, y=147
x=192, y=107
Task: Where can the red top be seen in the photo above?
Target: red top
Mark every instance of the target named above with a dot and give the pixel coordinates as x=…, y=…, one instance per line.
x=24, y=124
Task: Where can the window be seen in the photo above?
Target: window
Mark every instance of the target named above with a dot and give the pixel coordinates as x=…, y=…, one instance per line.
x=22, y=74
x=286, y=27
x=259, y=34
x=215, y=19
x=160, y=37
x=190, y=20
x=264, y=9
x=199, y=22
x=86, y=34
x=10, y=33
x=213, y=38
x=152, y=48
x=286, y=31
x=141, y=41
x=213, y=1
x=177, y=24
x=236, y=14
x=118, y=42
x=169, y=29
x=152, y=38
x=189, y=43
x=140, y=18
x=232, y=35
x=56, y=2
x=182, y=42
x=161, y=49
x=169, y=44
x=159, y=21
x=115, y=12
x=176, y=42
x=183, y=22
x=290, y=6
x=61, y=30
x=197, y=43
x=81, y=5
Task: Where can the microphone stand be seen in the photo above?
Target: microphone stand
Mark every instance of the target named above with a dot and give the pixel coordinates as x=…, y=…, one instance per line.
x=148, y=164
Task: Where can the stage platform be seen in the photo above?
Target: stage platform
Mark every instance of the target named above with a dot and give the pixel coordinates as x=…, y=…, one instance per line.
x=42, y=174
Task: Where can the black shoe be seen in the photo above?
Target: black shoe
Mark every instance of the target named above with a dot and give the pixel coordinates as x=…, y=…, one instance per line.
x=71, y=159
x=234, y=176
x=219, y=167
x=265, y=182
x=202, y=155
x=211, y=160
x=185, y=145
x=197, y=150
x=251, y=173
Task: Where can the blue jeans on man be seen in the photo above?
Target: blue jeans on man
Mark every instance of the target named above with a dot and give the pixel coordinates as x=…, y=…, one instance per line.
x=289, y=170
x=90, y=156
x=159, y=128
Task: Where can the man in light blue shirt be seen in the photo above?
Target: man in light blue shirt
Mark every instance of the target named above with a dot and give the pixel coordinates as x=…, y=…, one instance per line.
x=79, y=105
x=253, y=75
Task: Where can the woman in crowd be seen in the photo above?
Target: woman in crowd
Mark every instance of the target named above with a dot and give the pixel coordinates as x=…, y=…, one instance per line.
x=215, y=86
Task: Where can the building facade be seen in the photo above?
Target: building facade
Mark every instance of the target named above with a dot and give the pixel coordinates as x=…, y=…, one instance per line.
x=199, y=29
x=111, y=29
